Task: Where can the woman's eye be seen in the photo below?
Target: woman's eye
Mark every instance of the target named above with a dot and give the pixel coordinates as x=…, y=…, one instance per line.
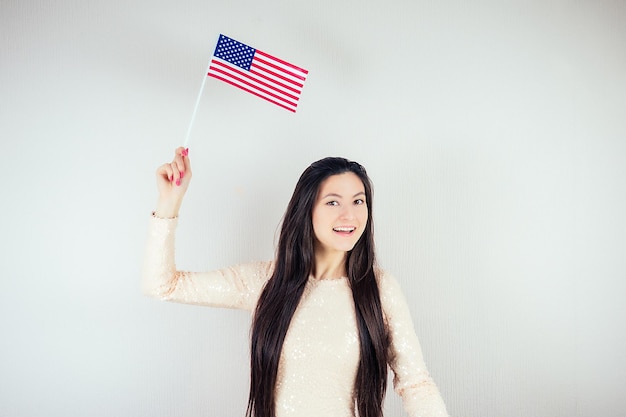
x=359, y=201
x=332, y=203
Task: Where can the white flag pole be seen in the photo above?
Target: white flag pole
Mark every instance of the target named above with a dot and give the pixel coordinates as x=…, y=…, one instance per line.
x=195, y=109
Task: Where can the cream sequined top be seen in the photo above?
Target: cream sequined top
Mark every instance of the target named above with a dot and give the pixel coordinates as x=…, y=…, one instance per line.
x=320, y=354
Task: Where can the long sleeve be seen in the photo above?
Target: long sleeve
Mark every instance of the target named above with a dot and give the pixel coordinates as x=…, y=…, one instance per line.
x=234, y=287
x=411, y=381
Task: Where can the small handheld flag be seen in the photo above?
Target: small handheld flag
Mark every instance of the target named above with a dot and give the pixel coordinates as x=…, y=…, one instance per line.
x=254, y=71
x=257, y=72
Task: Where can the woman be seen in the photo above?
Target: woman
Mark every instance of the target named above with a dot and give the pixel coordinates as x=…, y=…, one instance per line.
x=326, y=321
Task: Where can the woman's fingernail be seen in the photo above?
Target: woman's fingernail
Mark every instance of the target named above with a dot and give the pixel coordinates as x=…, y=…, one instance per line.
x=171, y=178
x=185, y=152
x=181, y=174
x=178, y=182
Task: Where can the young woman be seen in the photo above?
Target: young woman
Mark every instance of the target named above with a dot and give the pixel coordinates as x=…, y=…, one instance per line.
x=327, y=322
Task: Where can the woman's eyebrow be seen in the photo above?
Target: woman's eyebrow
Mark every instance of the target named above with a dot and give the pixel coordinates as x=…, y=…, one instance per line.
x=340, y=196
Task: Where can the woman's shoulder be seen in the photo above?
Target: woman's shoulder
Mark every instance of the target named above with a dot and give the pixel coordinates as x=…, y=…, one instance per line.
x=393, y=301
x=384, y=278
x=388, y=286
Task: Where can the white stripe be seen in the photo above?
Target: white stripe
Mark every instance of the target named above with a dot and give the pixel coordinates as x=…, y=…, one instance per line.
x=255, y=86
x=283, y=66
x=255, y=80
x=263, y=67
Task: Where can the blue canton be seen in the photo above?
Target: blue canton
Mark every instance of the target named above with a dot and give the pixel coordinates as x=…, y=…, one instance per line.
x=234, y=52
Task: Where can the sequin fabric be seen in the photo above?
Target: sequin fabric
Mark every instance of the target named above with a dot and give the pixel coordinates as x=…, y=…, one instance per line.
x=320, y=354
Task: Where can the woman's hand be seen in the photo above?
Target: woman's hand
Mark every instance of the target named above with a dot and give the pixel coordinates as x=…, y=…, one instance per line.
x=172, y=180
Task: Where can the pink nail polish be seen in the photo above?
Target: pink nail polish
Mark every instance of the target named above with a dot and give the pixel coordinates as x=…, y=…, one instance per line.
x=171, y=178
x=181, y=174
x=185, y=152
x=178, y=182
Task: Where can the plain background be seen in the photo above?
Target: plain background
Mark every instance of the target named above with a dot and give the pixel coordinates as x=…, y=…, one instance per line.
x=495, y=134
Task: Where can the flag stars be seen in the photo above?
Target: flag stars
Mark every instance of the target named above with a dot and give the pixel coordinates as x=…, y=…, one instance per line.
x=234, y=52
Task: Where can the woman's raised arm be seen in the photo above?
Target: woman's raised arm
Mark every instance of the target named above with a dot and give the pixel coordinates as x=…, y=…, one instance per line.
x=235, y=287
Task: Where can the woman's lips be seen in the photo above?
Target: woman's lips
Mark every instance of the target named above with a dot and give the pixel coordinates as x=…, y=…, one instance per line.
x=344, y=230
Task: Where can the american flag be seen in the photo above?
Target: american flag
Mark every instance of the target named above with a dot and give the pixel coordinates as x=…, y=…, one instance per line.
x=257, y=72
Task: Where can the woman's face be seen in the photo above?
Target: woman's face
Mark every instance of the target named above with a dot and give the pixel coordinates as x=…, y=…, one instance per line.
x=340, y=213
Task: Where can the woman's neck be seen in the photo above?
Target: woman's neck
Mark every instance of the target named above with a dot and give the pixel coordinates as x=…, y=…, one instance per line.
x=329, y=265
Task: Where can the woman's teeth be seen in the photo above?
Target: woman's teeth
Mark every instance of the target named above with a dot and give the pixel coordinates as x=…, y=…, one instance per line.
x=344, y=229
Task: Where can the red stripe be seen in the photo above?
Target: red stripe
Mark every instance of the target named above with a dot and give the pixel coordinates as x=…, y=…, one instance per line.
x=245, y=75
x=281, y=61
x=288, y=87
x=279, y=68
x=252, y=92
x=275, y=74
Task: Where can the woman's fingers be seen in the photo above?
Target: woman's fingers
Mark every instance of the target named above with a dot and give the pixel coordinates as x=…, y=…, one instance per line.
x=180, y=164
x=172, y=180
x=179, y=168
x=187, y=162
x=165, y=172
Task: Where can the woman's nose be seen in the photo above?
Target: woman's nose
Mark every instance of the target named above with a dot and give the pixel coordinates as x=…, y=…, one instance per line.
x=347, y=212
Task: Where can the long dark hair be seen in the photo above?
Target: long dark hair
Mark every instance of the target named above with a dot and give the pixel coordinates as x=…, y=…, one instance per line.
x=295, y=260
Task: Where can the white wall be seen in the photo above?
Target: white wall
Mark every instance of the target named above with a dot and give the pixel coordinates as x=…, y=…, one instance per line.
x=495, y=133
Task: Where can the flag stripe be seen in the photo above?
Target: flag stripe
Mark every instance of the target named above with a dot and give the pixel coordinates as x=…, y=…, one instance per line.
x=288, y=77
x=250, y=79
x=250, y=86
x=274, y=75
x=260, y=75
x=228, y=70
x=276, y=67
x=285, y=86
x=251, y=92
x=283, y=62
